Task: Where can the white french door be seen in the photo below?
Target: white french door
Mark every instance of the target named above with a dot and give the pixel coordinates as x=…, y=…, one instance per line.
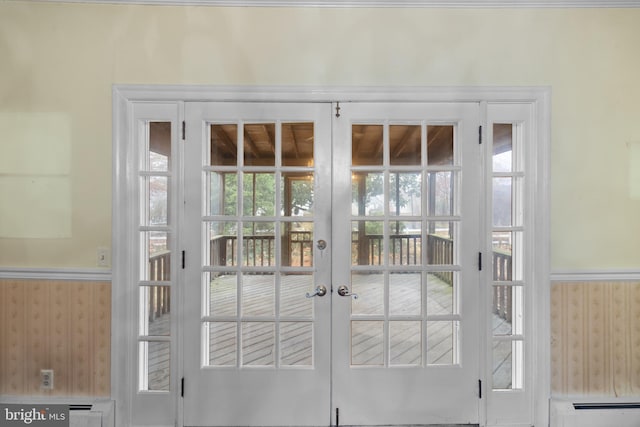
x=406, y=237
x=258, y=199
x=331, y=271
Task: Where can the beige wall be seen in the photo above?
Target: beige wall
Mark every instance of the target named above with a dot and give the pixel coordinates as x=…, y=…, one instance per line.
x=59, y=61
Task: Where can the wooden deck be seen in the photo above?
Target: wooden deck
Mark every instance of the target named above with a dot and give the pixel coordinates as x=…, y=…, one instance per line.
x=258, y=346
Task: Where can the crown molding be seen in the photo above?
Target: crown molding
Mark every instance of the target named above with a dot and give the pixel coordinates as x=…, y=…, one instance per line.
x=453, y=4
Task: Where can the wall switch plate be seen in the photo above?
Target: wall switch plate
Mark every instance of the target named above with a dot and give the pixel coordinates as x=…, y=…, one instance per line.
x=46, y=379
x=103, y=257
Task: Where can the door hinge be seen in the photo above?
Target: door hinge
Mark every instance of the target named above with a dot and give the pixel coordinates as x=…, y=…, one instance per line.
x=479, y=261
x=337, y=417
x=479, y=135
x=184, y=130
x=337, y=109
x=183, y=258
x=479, y=389
x=182, y=387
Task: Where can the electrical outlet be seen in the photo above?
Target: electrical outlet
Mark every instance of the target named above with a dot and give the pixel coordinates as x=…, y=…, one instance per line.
x=46, y=379
x=103, y=257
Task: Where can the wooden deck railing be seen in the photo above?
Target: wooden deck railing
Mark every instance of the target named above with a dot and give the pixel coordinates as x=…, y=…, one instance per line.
x=405, y=250
x=502, y=294
x=159, y=296
x=259, y=250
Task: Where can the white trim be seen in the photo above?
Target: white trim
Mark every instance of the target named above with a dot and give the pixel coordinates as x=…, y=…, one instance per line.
x=125, y=96
x=160, y=93
x=88, y=274
x=445, y=4
x=622, y=275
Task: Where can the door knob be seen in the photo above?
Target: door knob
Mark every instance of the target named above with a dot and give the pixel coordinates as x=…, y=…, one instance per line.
x=321, y=290
x=343, y=291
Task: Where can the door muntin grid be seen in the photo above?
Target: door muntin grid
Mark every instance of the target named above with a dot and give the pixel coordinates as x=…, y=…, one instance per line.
x=258, y=230
x=405, y=189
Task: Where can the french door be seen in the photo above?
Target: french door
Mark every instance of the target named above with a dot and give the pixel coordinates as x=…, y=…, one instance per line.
x=331, y=271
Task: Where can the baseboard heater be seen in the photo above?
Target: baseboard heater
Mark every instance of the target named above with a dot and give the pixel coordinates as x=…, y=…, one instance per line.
x=594, y=414
x=97, y=414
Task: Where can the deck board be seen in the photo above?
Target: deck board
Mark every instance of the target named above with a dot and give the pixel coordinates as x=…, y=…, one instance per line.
x=258, y=339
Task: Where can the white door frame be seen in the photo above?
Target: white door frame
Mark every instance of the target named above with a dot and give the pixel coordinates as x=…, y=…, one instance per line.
x=124, y=180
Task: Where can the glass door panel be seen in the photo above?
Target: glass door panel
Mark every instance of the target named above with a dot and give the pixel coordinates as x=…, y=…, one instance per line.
x=254, y=264
x=405, y=313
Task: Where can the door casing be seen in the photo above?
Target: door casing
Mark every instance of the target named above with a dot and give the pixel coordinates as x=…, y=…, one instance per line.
x=123, y=312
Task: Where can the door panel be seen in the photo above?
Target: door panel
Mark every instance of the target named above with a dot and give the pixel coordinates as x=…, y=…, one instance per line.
x=257, y=198
x=406, y=207
x=381, y=207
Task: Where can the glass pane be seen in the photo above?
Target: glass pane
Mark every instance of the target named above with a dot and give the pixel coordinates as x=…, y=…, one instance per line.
x=405, y=243
x=158, y=197
x=440, y=145
x=259, y=194
x=440, y=243
x=159, y=266
x=258, y=244
x=367, y=191
x=293, y=288
x=442, y=339
x=223, y=341
x=367, y=346
x=155, y=312
x=442, y=293
x=366, y=145
x=297, y=244
x=507, y=256
x=159, y=146
x=405, y=294
x=296, y=343
x=404, y=144
x=297, y=194
x=508, y=372
x=369, y=286
x=507, y=310
x=223, y=243
x=502, y=202
x=440, y=193
x=297, y=144
x=258, y=294
x=260, y=144
x=502, y=147
x=224, y=193
x=406, y=343
x=156, y=357
x=224, y=145
x=366, y=243
x=258, y=343
x=405, y=193
x=223, y=294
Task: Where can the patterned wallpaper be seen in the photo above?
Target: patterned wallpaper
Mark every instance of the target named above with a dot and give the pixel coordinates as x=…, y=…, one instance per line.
x=595, y=339
x=59, y=325
x=66, y=326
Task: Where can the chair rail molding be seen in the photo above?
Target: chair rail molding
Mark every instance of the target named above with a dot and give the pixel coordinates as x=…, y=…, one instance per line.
x=596, y=275
x=81, y=274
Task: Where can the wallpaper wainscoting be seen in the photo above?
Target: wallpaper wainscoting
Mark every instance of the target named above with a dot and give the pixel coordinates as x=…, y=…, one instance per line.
x=66, y=326
x=59, y=325
x=595, y=339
